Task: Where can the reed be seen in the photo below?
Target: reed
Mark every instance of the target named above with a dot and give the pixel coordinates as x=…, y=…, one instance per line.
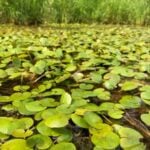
x=75, y=11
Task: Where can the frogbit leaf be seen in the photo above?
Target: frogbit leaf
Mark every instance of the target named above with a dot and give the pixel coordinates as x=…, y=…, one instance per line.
x=57, y=121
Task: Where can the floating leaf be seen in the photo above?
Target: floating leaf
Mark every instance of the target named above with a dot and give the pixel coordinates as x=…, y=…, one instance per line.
x=145, y=95
x=63, y=146
x=102, y=94
x=45, y=130
x=65, y=98
x=57, y=121
x=21, y=88
x=92, y=119
x=39, y=67
x=21, y=133
x=86, y=86
x=5, y=123
x=129, y=85
x=39, y=141
x=65, y=135
x=129, y=137
x=3, y=74
x=106, y=141
x=111, y=81
x=146, y=118
x=34, y=106
x=96, y=77
x=15, y=144
x=79, y=121
x=77, y=76
x=5, y=99
x=62, y=78
x=70, y=68
x=115, y=113
x=129, y=101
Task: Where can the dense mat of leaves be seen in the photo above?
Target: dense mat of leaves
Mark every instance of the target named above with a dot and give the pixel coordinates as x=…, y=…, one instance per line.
x=78, y=88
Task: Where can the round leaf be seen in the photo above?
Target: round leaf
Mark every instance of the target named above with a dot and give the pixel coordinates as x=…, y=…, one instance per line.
x=56, y=121
x=63, y=146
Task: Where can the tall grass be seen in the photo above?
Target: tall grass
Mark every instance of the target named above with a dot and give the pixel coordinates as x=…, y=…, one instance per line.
x=76, y=11
x=22, y=11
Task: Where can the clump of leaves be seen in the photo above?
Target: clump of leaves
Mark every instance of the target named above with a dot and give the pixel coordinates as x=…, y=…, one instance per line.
x=56, y=85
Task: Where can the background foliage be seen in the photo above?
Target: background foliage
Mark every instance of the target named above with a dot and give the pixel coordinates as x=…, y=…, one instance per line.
x=75, y=11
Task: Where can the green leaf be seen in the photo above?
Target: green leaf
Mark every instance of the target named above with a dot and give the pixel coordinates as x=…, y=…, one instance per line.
x=102, y=94
x=63, y=146
x=39, y=67
x=5, y=123
x=146, y=118
x=70, y=68
x=106, y=141
x=15, y=144
x=79, y=121
x=96, y=77
x=129, y=85
x=145, y=95
x=3, y=74
x=39, y=141
x=92, y=119
x=145, y=88
x=34, y=106
x=21, y=88
x=129, y=137
x=62, y=78
x=57, y=121
x=86, y=86
x=77, y=76
x=111, y=81
x=115, y=113
x=65, y=135
x=45, y=130
x=21, y=133
x=129, y=101
x=66, y=99
x=5, y=99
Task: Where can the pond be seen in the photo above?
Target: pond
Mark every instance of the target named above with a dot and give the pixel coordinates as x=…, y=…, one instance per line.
x=74, y=87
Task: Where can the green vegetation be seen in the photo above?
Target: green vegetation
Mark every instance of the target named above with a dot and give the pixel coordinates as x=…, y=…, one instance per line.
x=75, y=11
x=22, y=11
x=80, y=88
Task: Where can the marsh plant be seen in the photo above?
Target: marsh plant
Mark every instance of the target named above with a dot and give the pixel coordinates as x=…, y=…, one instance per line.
x=75, y=11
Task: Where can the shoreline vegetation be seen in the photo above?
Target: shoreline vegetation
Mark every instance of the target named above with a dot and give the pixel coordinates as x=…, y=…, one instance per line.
x=29, y=12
